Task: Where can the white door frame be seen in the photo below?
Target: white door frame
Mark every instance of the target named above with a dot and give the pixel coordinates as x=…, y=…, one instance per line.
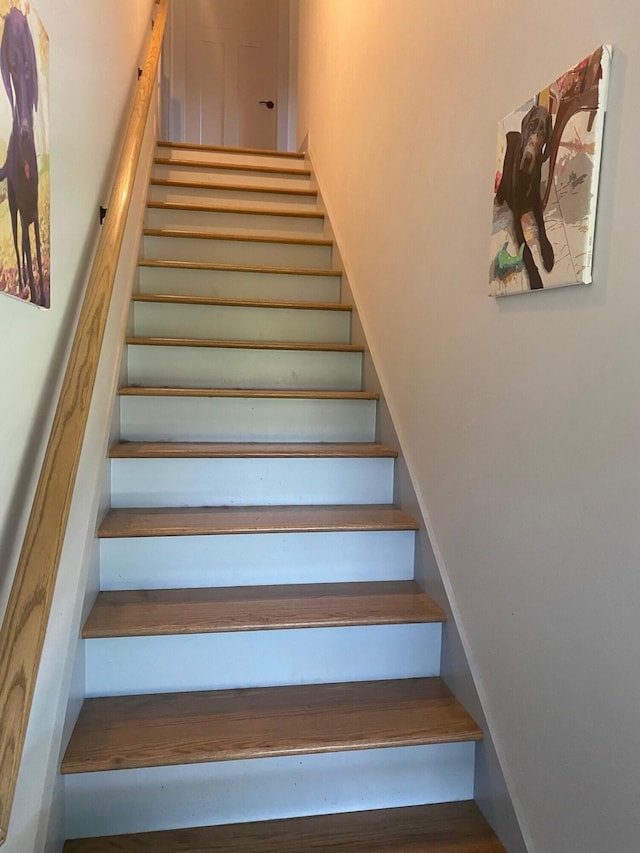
x=173, y=89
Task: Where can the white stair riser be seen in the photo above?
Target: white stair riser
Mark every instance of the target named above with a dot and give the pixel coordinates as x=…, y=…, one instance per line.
x=240, y=323
x=246, y=419
x=222, y=792
x=216, y=367
x=268, y=788
x=123, y=666
x=178, y=562
x=239, y=285
x=245, y=158
x=249, y=482
x=206, y=220
x=215, y=195
x=245, y=252
x=174, y=172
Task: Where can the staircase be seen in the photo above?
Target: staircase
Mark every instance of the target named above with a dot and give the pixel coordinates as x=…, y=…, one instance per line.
x=260, y=663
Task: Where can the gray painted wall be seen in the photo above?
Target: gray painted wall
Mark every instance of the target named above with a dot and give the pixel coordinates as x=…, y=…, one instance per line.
x=518, y=418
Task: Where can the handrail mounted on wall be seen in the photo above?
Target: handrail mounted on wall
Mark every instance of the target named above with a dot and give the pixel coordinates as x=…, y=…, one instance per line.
x=27, y=614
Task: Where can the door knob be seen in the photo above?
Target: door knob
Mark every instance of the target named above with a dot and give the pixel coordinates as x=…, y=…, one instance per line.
x=268, y=104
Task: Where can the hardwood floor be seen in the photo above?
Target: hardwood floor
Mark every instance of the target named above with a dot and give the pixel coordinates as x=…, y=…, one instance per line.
x=240, y=167
x=225, y=187
x=194, y=146
x=247, y=450
x=226, y=208
x=251, y=268
x=259, y=345
x=170, y=299
x=441, y=828
x=149, y=730
x=241, y=238
x=198, y=521
x=243, y=393
x=135, y=613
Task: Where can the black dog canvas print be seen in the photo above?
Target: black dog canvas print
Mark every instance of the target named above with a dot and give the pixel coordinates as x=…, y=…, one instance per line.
x=24, y=155
x=546, y=183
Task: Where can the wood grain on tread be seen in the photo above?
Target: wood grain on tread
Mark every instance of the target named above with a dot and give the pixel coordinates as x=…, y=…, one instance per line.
x=440, y=828
x=156, y=612
x=216, y=301
x=222, y=344
x=232, y=167
x=248, y=450
x=210, y=185
x=152, y=730
x=249, y=211
x=257, y=393
x=268, y=152
x=214, y=267
x=238, y=238
x=199, y=521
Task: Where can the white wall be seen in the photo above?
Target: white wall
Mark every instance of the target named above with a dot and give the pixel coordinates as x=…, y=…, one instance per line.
x=519, y=418
x=95, y=50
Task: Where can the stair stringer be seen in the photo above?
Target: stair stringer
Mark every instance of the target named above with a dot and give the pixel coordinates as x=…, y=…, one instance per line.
x=493, y=789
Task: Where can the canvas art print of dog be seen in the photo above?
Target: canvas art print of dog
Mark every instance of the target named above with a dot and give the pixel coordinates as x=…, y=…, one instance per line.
x=546, y=183
x=24, y=175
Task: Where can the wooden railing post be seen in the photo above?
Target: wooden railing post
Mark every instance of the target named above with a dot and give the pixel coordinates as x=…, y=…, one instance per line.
x=29, y=605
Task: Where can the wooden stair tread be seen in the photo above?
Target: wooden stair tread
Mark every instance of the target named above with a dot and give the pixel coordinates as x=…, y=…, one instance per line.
x=198, y=521
x=232, y=167
x=215, y=267
x=195, y=146
x=248, y=450
x=151, y=730
x=258, y=393
x=221, y=208
x=250, y=344
x=141, y=613
x=120, y=732
x=440, y=828
x=248, y=237
x=246, y=188
x=177, y=299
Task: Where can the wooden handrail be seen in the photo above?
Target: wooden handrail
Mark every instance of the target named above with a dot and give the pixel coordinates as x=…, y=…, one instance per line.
x=27, y=614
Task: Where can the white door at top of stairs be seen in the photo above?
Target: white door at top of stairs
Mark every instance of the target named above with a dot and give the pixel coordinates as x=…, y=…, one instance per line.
x=230, y=66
